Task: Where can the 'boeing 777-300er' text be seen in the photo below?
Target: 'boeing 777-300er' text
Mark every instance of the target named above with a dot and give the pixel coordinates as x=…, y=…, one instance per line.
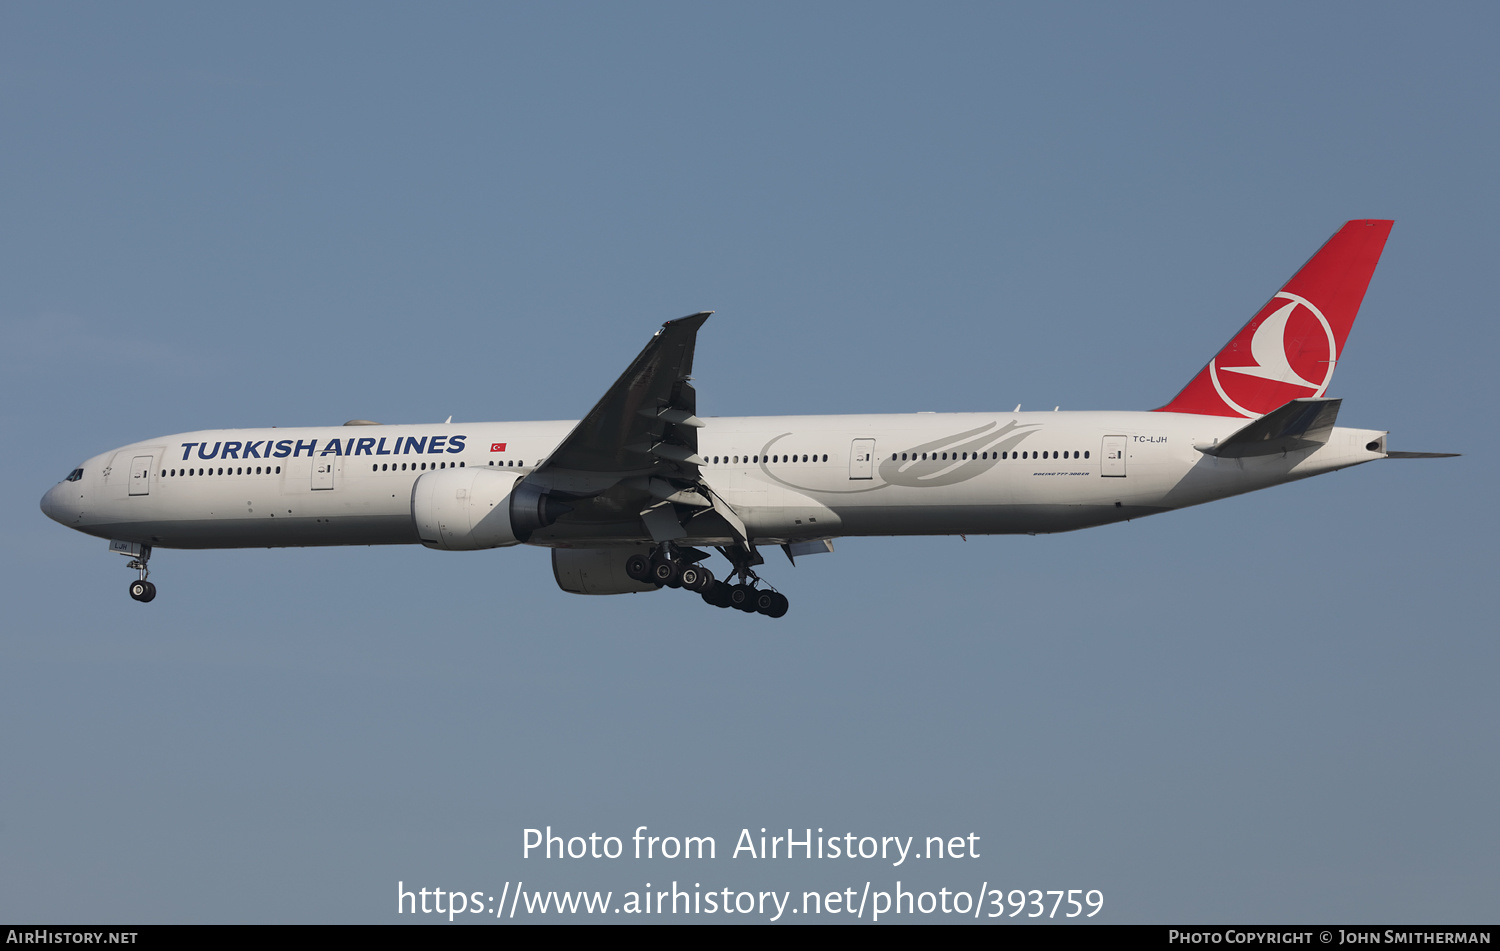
x=629, y=498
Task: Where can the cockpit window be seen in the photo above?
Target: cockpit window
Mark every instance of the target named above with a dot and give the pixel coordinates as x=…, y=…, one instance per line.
x=74, y=476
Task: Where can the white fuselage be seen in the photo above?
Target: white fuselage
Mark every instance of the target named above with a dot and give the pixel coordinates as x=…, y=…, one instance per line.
x=788, y=478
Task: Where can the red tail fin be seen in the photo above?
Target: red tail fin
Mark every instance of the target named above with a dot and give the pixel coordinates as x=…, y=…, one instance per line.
x=1290, y=347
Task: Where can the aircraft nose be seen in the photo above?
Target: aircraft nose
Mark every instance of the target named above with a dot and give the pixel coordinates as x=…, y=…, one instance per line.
x=54, y=505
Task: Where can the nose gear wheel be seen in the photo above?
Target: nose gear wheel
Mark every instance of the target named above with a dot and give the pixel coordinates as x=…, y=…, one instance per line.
x=141, y=589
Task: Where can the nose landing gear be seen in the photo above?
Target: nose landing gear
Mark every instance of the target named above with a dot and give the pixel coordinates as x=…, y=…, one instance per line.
x=140, y=589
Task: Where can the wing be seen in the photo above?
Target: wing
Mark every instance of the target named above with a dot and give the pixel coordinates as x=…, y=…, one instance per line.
x=634, y=457
x=644, y=425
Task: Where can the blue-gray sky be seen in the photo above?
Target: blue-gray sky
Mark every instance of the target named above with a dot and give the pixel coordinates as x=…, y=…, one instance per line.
x=1276, y=708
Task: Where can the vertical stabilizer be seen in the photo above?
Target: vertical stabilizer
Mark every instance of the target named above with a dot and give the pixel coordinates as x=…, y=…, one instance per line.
x=1290, y=348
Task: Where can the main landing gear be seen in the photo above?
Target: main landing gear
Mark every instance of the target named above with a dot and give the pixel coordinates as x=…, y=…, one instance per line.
x=141, y=589
x=672, y=567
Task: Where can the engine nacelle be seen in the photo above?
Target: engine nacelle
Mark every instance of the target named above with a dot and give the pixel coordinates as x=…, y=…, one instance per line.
x=596, y=570
x=469, y=509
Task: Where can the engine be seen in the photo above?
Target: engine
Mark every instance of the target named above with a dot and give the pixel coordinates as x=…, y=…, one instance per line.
x=596, y=570
x=469, y=509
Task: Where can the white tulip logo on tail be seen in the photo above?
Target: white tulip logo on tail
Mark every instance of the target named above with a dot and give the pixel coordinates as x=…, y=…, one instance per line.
x=1275, y=353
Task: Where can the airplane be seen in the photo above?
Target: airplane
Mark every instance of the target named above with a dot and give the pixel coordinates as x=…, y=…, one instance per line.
x=629, y=498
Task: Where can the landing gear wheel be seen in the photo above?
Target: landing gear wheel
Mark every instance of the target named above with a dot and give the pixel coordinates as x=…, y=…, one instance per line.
x=696, y=578
x=667, y=572
x=638, y=568
x=742, y=596
x=747, y=595
x=777, y=607
x=140, y=556
x=717, y=594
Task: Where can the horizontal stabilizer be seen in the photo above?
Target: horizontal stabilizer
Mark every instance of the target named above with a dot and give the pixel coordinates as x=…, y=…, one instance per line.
x=1299, y=424
x=1422, y=455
